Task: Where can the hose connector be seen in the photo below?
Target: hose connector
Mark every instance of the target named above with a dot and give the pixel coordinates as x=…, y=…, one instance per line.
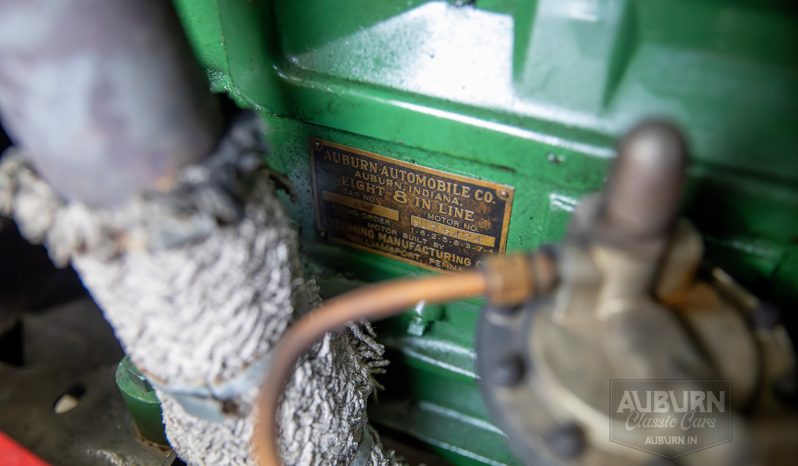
x=514, y=279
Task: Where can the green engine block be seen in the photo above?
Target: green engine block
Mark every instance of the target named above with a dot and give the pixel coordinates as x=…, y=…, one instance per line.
x=530, y=94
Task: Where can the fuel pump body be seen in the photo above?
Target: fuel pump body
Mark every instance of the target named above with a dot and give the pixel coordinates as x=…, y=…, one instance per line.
x=522, y=94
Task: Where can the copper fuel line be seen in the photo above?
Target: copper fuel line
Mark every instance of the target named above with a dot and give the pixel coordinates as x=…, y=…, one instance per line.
x=506, y=280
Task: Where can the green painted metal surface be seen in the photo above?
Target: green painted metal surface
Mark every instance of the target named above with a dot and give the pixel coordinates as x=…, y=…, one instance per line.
x=533, y=94
x=141, y=401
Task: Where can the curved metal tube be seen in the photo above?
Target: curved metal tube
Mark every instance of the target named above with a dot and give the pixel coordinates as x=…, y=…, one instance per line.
x=105, y=97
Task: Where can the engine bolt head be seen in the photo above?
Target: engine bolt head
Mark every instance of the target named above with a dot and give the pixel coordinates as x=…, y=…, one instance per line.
x=509, y=371
x=566, y=441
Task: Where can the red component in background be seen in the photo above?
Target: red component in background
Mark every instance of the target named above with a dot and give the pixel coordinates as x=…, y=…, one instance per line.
x=14, y=454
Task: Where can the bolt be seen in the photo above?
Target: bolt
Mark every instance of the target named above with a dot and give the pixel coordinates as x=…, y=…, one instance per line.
x=428, y=312
x=417, y=327
x=317, y=145
x=504, y=195
x=566, y=441
x=509, y=371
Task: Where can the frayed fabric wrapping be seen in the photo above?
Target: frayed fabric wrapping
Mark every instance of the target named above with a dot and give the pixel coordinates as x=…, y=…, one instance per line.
x=199, y=284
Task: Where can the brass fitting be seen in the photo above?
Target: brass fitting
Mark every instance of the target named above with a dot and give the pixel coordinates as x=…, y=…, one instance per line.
x=514, y=279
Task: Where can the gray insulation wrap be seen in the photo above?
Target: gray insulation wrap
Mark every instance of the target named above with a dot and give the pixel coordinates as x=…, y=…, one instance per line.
x=199, y=283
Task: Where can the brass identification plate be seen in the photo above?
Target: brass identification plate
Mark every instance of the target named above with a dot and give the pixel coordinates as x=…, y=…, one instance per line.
x=407, y=212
